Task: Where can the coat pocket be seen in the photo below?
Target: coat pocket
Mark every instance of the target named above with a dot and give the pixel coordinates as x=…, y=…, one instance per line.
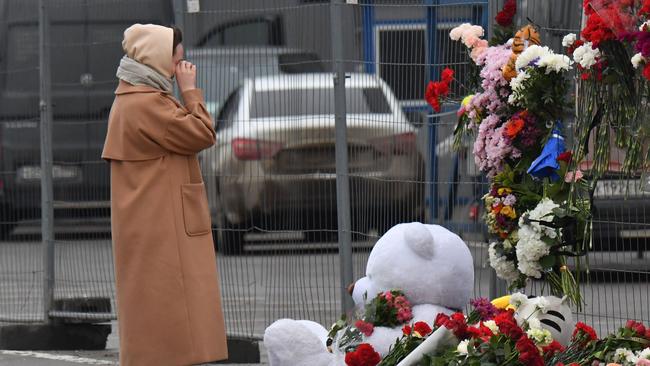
x=196, y=213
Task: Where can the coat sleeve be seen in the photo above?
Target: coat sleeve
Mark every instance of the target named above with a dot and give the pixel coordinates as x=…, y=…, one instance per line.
x=189, y=130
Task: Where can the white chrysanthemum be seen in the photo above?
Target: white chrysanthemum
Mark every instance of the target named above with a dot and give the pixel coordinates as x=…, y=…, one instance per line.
x=504, y=268
x=517, y=299
x=492, y=326
x=462, y=347
x=555, y=62
x=513, y=99
x=540, y=336
x=531, y=54
x=643, y=355
x=586, y=55
x=569, y=40
x=637, y=60
x=624, y=355
x=517, y=81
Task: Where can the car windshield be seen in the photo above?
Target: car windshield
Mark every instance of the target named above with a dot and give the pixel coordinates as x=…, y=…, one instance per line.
x=299, y=102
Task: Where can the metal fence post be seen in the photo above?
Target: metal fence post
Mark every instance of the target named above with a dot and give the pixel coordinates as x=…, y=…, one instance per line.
x=432, y=130
x=47, y=210
x=342, y=178
x=179, y=14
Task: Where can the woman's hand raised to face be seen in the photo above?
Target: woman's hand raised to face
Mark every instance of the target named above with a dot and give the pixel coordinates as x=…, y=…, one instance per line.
x=185, y=76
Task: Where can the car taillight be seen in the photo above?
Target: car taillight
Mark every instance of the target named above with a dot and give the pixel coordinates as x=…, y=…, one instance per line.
x=396, y=144
x=253, y=149
x=473, y=212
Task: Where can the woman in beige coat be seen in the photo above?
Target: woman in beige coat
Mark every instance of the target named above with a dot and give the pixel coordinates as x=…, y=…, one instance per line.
x=168, y=297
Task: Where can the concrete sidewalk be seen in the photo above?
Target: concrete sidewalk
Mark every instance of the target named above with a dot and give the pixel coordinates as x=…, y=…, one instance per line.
x=107, y=357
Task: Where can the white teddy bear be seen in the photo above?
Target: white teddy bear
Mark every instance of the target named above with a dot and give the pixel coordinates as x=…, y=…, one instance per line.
x=430, y=264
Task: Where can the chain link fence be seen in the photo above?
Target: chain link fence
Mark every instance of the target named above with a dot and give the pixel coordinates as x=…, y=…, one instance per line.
x=267, y=68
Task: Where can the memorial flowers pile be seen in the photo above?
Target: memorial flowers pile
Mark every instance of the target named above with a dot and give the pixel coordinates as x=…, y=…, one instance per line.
x=503, y=337
x=538, y=207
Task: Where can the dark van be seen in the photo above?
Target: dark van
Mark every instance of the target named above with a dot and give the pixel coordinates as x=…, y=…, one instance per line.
x=85, y=51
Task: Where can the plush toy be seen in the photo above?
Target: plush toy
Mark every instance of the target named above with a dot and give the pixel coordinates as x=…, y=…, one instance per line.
x=547, y=312
x=431, y=265
x=525, y=37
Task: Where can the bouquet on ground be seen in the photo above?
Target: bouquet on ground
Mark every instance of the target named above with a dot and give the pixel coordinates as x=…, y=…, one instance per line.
x=387, y=309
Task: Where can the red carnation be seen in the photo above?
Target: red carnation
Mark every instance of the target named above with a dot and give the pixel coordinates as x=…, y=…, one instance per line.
x=441, y=320
x=565, y=157
x=508, y=325
x=406, y=330
x=422, y=328
x=365, y=327
x=582, y=330
x=447, y=75
x=553, y=348
x=438, y=89
x=458, y=325
x=506, y=15
x=638, y=327
x=528, y=352
x=364, y=355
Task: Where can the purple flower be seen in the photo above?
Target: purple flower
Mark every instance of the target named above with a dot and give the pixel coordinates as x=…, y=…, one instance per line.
x=485, y=308
x=510, y=200
x=533, y=62
x=642, y=40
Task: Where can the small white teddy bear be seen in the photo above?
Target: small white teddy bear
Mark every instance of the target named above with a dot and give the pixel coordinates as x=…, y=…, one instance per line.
x=430, y=264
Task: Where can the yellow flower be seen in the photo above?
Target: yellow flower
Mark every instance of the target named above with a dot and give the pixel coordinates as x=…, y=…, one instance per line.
x=467, y=100
x=508, y=211
x=503, y=191
x=502, y=303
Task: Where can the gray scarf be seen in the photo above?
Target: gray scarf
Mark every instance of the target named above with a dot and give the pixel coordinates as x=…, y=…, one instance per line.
x=136, y=73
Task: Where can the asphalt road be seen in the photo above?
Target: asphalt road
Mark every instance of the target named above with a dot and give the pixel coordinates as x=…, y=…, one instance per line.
x=278, y=277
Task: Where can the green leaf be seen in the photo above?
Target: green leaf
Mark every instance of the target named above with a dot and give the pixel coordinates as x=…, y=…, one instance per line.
x=548, y=261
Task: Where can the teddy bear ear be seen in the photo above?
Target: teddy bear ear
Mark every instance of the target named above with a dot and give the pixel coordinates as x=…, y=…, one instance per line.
x=419, y=239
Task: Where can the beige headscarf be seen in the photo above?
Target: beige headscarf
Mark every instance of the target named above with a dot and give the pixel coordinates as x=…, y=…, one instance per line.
x=151, y=45
x=148, y=59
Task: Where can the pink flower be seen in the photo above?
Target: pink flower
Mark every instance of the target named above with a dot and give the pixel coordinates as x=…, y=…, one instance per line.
x=573, y=176
x=478, y=50
x=470, y=40
x=643, y=362
x=388, y=296
x=364, y=327
x=400, y=301
x=404, y=315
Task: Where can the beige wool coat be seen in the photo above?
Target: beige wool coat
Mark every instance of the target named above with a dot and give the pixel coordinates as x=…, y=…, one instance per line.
x=168, y=296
